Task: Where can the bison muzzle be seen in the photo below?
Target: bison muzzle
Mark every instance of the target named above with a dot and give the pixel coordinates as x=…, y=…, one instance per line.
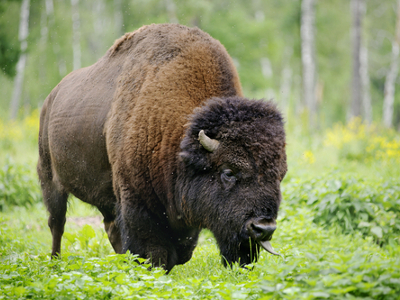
x=158, y=136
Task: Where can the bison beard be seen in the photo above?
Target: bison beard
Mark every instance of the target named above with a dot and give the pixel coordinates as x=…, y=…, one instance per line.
x=158, y=136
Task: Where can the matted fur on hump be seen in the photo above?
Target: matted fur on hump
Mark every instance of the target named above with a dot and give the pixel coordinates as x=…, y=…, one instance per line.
x=158, y=44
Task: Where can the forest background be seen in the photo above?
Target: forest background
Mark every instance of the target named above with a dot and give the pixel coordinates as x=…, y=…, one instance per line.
x=352, y=61
x=331, y=66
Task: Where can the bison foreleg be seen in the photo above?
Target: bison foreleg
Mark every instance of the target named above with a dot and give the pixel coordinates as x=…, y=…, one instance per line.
x=111, y=227
x=185, y=244
x=147, y=235
x=114, y=235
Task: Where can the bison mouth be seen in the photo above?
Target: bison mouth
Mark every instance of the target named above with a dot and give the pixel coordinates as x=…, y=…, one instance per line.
x=245, y=247
x=267, y=247
x=261, y=230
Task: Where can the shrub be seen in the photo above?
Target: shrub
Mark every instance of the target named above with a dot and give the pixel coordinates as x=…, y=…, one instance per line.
x=357, y=141
x=351, y=204
x=14, y=134
x=18, y=185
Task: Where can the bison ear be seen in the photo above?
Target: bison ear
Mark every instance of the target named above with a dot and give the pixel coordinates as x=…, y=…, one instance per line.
x=209, y=144
x=184, y=156
x=196, y=161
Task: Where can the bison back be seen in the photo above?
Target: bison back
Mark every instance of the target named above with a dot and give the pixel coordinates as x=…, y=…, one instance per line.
x=72, y=148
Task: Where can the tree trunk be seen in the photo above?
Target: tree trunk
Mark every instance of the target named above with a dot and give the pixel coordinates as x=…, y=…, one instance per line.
x=366, y=96
x=308, y=59
x=357, y=8
x=388, y=100
x=19, y=78
x=76, y=34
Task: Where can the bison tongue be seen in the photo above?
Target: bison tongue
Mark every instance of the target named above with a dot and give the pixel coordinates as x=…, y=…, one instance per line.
x=267, y=246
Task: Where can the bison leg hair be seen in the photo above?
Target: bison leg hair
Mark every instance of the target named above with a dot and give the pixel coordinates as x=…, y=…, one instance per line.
x=185, y=245
x=112, y=229
x=56, y=203
x=142, y=235
x=149, y=235
x=114, y=235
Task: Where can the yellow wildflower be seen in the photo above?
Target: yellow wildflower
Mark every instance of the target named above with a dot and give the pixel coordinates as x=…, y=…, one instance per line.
x=309, y=157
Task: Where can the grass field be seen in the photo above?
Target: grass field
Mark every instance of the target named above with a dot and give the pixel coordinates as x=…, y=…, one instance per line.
x=338, y=231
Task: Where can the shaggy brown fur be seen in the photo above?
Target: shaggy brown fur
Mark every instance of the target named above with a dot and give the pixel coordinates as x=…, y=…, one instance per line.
x=111, y=134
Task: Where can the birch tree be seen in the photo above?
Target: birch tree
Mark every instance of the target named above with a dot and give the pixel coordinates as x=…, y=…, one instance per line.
x=76, y=34
x=356, y=88
x=19, y=78
x=366, y=95
x=389, y=90
x=307, y=30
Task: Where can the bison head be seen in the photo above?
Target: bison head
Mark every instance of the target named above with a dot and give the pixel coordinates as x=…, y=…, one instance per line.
x=232, y=162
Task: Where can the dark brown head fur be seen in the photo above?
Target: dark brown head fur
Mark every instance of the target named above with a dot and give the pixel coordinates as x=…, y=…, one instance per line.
x=252, y=146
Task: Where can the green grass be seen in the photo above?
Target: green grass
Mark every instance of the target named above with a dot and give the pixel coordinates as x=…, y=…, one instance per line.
x=315, y=263
x=338, y=235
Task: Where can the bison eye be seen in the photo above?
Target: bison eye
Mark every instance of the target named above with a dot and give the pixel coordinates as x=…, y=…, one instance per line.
x=228, y=178
x=227, y=174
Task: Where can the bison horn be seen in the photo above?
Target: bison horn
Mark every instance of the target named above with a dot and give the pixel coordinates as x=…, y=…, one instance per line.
x=208, y=144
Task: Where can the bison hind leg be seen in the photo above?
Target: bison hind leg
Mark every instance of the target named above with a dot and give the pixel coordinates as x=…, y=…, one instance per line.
x=56, y=203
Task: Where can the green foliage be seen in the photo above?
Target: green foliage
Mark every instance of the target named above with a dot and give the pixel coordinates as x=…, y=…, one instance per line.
x=8, y=56
x=9, y=45
x=357, y=141
x=20, y=138
x=315, y=263
x=18, y=185
x=86, y=240
x=324, y=263
x=371, y=208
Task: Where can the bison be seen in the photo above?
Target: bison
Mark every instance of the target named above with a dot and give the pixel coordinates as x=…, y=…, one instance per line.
x=158, y=136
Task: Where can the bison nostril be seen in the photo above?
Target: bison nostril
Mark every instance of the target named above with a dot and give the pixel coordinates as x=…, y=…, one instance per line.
x=261, y=230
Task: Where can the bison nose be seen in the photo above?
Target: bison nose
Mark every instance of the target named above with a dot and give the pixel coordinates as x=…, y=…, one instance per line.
x=261, y=229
